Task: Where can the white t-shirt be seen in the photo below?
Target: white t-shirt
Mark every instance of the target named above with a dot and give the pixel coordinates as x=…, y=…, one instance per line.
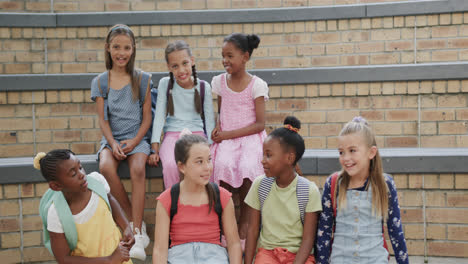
x=53, y=221
x=260, y=87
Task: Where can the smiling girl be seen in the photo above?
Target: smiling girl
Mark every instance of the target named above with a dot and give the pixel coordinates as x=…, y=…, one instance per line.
x=192, y=233
x=180, y=105
x=123, y=100
x=356, y=201
x=240, y=130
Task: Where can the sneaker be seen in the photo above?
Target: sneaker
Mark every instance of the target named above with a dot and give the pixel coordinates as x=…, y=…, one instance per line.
x=146, y=239
x=138, y=249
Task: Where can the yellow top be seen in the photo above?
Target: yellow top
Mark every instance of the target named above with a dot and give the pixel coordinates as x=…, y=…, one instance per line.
x=99, y=236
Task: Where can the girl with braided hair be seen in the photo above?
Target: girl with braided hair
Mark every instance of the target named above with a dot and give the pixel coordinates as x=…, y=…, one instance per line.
x=176, y=111
x=81, y=218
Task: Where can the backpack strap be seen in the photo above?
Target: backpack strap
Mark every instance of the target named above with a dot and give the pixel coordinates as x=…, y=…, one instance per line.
x=218, y=208
x=65, y=215
x=302, y=193
x=97, y=187
x=264, y=189
x=145, y=84
x=103, y=85
x=202, y=97
x=333, y=189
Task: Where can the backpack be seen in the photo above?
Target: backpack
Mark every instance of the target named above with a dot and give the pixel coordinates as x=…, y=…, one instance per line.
x=175, y=191
x=64, y=213
x=202, y=99
x=333, y=194
x=302, y=192
x=145, y=83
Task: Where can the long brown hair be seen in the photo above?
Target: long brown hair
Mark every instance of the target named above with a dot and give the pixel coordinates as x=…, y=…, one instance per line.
x=176, y=46
x=181, y=154
x=121, y=29
x=376, y=177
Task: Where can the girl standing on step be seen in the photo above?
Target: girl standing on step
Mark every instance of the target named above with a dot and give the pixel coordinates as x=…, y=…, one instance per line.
x=123, y=100
x=184, y=101
x=284, y=206
x=240, y=130
x=356, y=201
x=192, y=214
x=79, y=215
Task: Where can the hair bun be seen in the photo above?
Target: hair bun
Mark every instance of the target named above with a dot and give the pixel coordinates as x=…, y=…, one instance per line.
x=293, y=121
x=253, y=40
x=360, y=119
x=37, y=160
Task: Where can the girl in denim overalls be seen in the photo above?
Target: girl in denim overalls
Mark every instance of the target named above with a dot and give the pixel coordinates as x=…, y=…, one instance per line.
x=363, y=197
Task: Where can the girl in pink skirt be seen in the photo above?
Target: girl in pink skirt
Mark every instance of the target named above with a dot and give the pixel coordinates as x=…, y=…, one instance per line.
x=184, y=102
x=240, y=130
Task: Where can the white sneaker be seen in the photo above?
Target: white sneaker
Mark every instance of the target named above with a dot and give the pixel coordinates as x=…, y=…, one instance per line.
x=146, y=239
x=138, y=249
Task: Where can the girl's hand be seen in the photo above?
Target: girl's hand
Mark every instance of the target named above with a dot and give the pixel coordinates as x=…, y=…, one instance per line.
x=117, y=151
x=120, y=254
x=128, y=239
x=153, y=159
x=128, y=145
x=220, y=136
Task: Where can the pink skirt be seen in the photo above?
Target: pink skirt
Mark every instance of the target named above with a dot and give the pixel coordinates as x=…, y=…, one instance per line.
x=238, y=159
x=170, y=171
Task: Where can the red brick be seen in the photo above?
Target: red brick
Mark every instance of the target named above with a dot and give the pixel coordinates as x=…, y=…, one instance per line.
x=459, y=233
x=324, y=129
x=7, y=137
x=9, y=225
x=449, y=249
x=52, y=123
x=436, y=232
x=437, y=115
x=402, y=115
x=67, y=136
x=431, y=44
x=438, y=141
x=266, y=63
x=449, y=216
x=8, y=151
x=457, y=199
x=401, y=142
x=451, y=128
x=411, y=215
x=37, y=254
x=10, y=256
x=292, y=104
x=83, y=148
x=275, y=117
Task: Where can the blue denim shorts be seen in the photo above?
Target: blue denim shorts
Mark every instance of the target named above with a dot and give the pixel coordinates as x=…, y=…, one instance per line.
x=197, y=253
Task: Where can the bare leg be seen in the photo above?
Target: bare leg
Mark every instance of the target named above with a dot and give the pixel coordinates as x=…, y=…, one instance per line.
x=108, y=167
x=244, y=210
x=137, y=165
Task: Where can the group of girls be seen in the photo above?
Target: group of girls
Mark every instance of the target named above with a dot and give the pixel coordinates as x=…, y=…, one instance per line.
x=281, y=217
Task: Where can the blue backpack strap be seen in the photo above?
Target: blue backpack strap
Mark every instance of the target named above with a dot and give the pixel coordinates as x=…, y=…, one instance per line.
x=264, y=189
x=103, y=84
x=64, y=214
x=302, y=193
x=97, y=187
x=218, y=208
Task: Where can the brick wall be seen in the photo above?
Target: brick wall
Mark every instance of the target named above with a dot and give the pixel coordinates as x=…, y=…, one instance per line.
x=403, y=114
x=366, y=41
x=128, y=5
x=439, y=198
